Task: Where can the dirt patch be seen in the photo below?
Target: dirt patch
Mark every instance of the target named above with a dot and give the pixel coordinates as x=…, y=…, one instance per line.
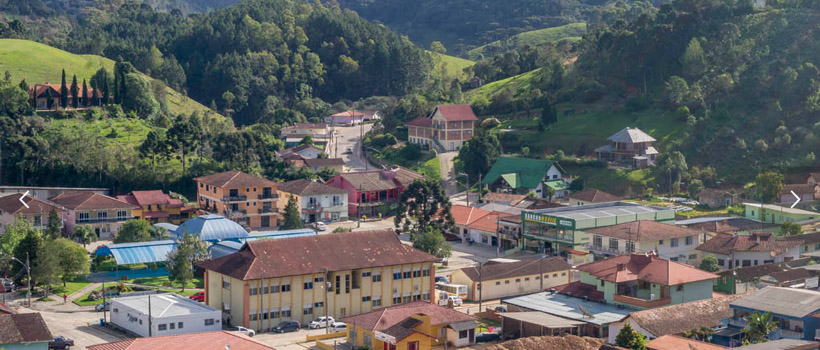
x=569, y=342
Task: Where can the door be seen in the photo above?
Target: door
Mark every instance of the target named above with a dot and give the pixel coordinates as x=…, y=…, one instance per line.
x=312, y=218
x=265, y=221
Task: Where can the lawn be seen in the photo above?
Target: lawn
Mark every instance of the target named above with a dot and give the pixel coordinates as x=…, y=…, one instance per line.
x=703, y=211
x=125, y=131
x=483, y=323
x=518, y=83
x=450, y=67
x=85, y=301
x=164, y=282
x=571, y=32
x=431, y=169
x=71, y=286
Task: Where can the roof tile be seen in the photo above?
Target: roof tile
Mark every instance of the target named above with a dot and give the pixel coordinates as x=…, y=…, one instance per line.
x=234, y=179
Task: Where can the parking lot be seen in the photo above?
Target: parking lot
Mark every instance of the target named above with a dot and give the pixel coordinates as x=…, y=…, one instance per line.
x=292, y=340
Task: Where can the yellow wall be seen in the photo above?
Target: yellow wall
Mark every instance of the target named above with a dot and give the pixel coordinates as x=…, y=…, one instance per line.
x=424, y=340
x=517, y=285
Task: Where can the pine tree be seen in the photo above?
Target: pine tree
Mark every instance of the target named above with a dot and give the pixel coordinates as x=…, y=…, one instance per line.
x=54, y=225
x=106, y=97
x=293, y=220
x=49, y=99
x=75, y=93
x=85, y=94
x=95, y=100
x=63, y=93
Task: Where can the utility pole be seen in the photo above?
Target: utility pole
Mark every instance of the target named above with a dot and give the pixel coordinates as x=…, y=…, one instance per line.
x=541, y=271
x=327, y=286
x=149, y=315
x=27, y=265
x=480, y=286
x=103, y=293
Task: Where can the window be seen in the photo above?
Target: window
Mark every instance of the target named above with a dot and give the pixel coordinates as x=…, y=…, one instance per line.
x=274, y=289
x=179, y=325
x=397, y=299
x=82, y=216
x=680, y=288
x=122, y=214
x=103, y=215
x=307, y=309
x=597, y=241
x=319, y=304
x=264, y=314
x=365, y=299
x=673, y=242
x=675, y=259
x=463, y=334
x=613, y=244
x=406, y=274
x=416, y=273
x=253, y=317
x=274, y=313
x=377, y=277
x=425, y=272
x=286, y=312
x=173, y=325
x=602, y=283
x=396, y=275
x=347, y=283
x=817, y=246
x=319, y=279
x=209, y=321
x=506, y=281
x=407, y=298
x=720, y=262
x=498, y=283
x=265, y=290
x=688, y=240
x=226, y=284
x=162, y=327
x=38, y=220
x=366, y=274
x=537, y=278
x=517, y=280
x=377, y=301
x=554, y=275
x=693, y=256
x=308, y=285
x=413, y=345
x=253, y=291
x=425, y=295
x=366, y=340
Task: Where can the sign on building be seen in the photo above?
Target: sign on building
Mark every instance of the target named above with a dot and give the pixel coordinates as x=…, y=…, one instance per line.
x=548, y=220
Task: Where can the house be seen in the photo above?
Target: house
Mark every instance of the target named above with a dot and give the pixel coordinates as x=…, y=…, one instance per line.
x=678, y=319
x=747, y=279
x=351, y=117
x=156, y=206
x=104, y=214
x=674, y=342
x=781, y=344
x=293, y=135
x=741, y=226
x=375, y=192
x=503, y=279
x=510, y=199
x=813, y=178
x=667, y=241
x=269, y=281
x=806, y=193
x=629, y=146
x=509, y=231
x=733, y=250
x=809, y=242
x=47, y=96
x=537, y=324
x=48, y=192
x=163, y=314
x=446, y=129
x=24, y=331
x=463, y=216
x=525, y=175
x=596, y=317
x=793, y=310
x=419, y=325
x=484, y=230
x=776, y=214
x=301, y=152
x=249, y=200
x=216, y=340
x=317, y=201
x=35, y=210
x=715, y=198
x=319, y=164
x=590, y=196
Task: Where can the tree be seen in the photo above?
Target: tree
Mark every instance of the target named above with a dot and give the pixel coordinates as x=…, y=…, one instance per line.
x=694, y=188
x=54, y=225
x=479, y=154
x=71, y=257
x=184, y=136
x=159, y=233
x=423, y=204
x=154, y=144
x=181, y=261
x=84, y=234
x=137, y=230
x=433, y=242
x=676, y=90
x=548, y=115
x=293, y=218
x=709, y=263
x=438, y=47
x=85, y=101
x=791, y=229
x=63, y=92
x=630, y=338
x=577, y=184
x=549, y=192
x=702, y=333
x=693, y=59
x=75, y=93
x=672, y=167
x=14, y=233
x=29, y=247
x=768, y=185
x=760, y=325
x=307, y=140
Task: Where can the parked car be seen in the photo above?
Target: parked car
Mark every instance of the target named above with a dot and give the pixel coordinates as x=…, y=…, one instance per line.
x=442, y=279
x=501, y=308
x=320, y=322
x=349, y=150
x=245, y=331
x=320, y=226
x=486, y=336
x=445, y=301
x=199, y=296
x=336, y=327
x=450, y=237
x=287, y=326
x=60, y=343
x=8, y=284
x=101, y=307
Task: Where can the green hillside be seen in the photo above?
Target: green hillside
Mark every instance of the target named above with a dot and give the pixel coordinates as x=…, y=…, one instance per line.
x=449, y=67
x=571, y=32
x=39, y=63
x=517, y=84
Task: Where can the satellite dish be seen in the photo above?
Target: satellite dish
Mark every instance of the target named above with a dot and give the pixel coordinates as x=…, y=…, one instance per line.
x=585, y=312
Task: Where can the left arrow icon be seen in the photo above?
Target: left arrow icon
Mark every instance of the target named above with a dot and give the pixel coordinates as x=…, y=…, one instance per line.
x=21, y=199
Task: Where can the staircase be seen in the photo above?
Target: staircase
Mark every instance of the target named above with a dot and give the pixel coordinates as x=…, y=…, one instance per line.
x=438, y=146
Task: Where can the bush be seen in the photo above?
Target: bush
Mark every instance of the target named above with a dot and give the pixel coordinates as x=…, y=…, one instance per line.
x=410, y=152
x=381, y=141
x=638, y=103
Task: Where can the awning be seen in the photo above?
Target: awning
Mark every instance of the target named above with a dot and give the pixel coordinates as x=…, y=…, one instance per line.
x=542, y=319
x=139, y=252
x=463, y=326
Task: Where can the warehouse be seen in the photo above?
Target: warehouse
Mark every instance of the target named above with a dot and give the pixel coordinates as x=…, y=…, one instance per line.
x=169, y=314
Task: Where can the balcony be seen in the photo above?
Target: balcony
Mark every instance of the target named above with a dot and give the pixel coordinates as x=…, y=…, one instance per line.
x=235, y=198
x=268, y=196
x=641, y=303
x=606, y=249
x=738, y=322
x=237, y=213
x=785, y=333
x=100, y=220
x=268, y=210
x=568, y=238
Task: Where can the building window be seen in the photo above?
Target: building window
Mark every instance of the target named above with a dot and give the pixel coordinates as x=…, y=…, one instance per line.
x=366, y=340
x=680, y=288
x=396, y=275
x=688, y=240
x=517, y=280
x=122, y=214
x=308, y=285
x=253, y=291
x=162, y=327
x=83, y=216
x=613, y=243
x=209, y=321
x=377, y=277
x=597, y=241
x=506, y=281
x=286, y=312
x=173, y=325
x=274, y=289
x=416, y=273
x=286, y=288
x=693, y=256
x=253, y=316
x=319, y=304
x=413, y=345
x=407, y=299
x=377, y=302
x=179, y=325
x=602, y=283
x=463, y=334
x=102, y=215
x=365, y=299
x=673, y=242
x=366, y=274
x=720, y=262
x=274, y=313
x=265, y=290
x=425, y=272
x=498, y=283
x=817, y=246
x=396, y=299
x=307, y=310
x=38, y=220
x=406, y=274
x=226, y=284
x=660, y=242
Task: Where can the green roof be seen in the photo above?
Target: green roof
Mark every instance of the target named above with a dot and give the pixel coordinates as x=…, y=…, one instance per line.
x=558, y=184
x=525, y=172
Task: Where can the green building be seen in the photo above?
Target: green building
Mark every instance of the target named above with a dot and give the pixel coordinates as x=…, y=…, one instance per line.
x=776, y=214
x=24, y=332
x=526, y=175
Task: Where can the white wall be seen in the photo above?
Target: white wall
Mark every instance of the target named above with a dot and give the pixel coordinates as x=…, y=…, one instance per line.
x=793, y=253
x=129, y=319
x=616, y=327
x=326, y=203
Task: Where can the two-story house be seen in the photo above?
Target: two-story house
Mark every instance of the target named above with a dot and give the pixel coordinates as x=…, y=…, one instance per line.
x=805, y=192
x=319, y=132
x=525, y=176
x=34, y=210
x=667, y=241
x=794, y=311
x=250, y=201
x=447, y=128
x=630, y=146
x=318, y=202
x=104, y=214
x=301, y=278
x=375, y=192
x=156, y=206
x=757, y=248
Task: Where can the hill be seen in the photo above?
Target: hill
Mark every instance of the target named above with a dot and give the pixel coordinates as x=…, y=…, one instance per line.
x=516, y=84
x=40, y=63
x=571, y=32
x=450, y=67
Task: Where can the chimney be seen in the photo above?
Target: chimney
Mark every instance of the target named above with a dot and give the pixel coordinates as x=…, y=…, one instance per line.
x=621, y=266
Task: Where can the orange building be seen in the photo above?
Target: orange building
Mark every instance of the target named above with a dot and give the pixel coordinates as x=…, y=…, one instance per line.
x=157, y=206
x=249, y=200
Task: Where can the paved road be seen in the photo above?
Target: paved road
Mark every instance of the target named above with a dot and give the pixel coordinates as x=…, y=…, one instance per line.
x=349, y=137
x=448, y=173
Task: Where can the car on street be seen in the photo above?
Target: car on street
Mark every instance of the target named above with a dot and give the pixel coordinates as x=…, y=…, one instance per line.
x=198, y=296
x=337, y=327
x=60, y=343
x=320, y=226
x=484, y=337
x=349, y=150
x=442, y=279
x=245, y=331
x=320, y=322
x=8, y=284
x=501, y=308
x=100, y=307
x=445, y=301
x=287, y=326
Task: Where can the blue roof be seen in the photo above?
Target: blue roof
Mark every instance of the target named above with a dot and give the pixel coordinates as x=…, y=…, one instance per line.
x=212, y=228
x=168, y=226
x=223, y=248
x=281, y=234
x=138, y=252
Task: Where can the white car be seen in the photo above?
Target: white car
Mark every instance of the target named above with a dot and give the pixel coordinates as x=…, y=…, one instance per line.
x=320, y=226
x=321, y=322
x=337, y=327
x=456, y=301
x=245, y=331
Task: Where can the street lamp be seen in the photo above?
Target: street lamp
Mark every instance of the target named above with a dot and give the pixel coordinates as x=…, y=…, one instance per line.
x=27, y=265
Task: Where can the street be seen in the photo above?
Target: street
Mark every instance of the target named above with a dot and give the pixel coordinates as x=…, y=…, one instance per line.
x=350, y=137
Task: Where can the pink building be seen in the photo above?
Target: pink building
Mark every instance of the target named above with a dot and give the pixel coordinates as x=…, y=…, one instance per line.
x=375, y=192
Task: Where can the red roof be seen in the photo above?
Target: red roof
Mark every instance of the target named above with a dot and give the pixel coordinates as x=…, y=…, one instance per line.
x=456, y=112
x=155, y=214
x=643, y=267
x=725, y=243
x=644, y=230
x=153, y=197
x=674, y=342
x=423, y=122
x=216, y=340
x=90, y=201
x=464, y=215
x=234, y=179
x=10, y=203
x=487, y=223
x=594, y=196
x=384, y=318
x=41, y=90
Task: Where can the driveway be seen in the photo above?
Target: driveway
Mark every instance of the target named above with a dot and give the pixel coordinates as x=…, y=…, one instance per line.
x=448, y=173
x=350, y=137
x=290, y=341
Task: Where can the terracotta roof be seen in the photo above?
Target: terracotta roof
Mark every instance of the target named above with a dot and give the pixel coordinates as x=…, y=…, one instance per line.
x=513, y=199
x=645, y=268
x=725, y=243
x=594, y=195
x=494, y=270
x=10, y=203
x=310, y=125
x=487, y=223
x=216, y=340
x=512, y=218
x=313, y=254
x=151, y=197
x=41, y=90
x=307, y=187
x=679, y=318
x=673, y=342
x=405, y=176
x=581, y=290
x=384, y=318
x=423, y=122
x=464, y=215
x=370, y=180
x=806, y=238
x=23, y=328
x=234, y=179
x=324, y=162
x=797, y=188
x=791, y=275
x=750, y=273
x=301, y=148
x=456, y=112
x=90, y=201
x=644, y=230
x=730, y=225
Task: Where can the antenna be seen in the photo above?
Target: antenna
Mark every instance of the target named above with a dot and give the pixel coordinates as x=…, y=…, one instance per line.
x=585, y=312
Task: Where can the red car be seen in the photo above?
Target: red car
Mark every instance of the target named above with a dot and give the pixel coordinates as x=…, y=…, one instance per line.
x=199, y=296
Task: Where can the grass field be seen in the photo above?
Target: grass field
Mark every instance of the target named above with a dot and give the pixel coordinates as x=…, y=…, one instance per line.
x=164, y=282
x=431, y=169
x=450, y=67
x=70, y=287
x=571, y=32
x=518, y=83
x=130, y=132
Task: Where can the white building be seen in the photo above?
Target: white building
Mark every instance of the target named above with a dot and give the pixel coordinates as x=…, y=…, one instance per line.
x=318, y=202
x=169, y=314
x=757, y=248
x=670, y=242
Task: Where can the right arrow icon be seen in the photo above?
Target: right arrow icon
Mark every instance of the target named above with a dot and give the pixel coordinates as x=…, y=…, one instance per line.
x=797, y=197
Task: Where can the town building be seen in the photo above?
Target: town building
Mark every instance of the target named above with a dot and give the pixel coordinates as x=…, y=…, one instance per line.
x=47, y=96
x=351, y=117
x=317, y=201
x=463, y=216
x=674, y=342
x=300, y=152
x=667, y=241
x=510, y=199
x=446, y=129
x=249, y=200
x=733, y=250
x=24, y=331
x=318, y=164
x=809, y=242
x=163, y=314
x=376, y=192
x=300, y=278
x=748, y=279
x=813, y=178
x=418, y=325
x=777, y=214
x=793, y=310
x=715, y=198
x=629, y=146
x=35, y=210
x=104, y=214
x=48, y=192
x=216, y=340
x=525, y=175
x=715, y=225
x=590, y=196
x=294, y=134
x=503, y=279
x=537, y=324
x=805, y=192
x=156, y=206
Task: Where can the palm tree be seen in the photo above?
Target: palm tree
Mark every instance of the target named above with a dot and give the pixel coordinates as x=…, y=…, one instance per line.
x=159, y=233
x=702, y=333
x=760, y=325
x=84, y=234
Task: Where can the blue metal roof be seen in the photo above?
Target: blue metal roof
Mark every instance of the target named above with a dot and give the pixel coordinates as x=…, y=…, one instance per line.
x=212, y=228
x=280, y=234
x=138, y=252
x=168, y=226
x=223, y=248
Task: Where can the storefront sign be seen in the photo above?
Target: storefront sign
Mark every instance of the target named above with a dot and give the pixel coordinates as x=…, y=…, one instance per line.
x=548, y=220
